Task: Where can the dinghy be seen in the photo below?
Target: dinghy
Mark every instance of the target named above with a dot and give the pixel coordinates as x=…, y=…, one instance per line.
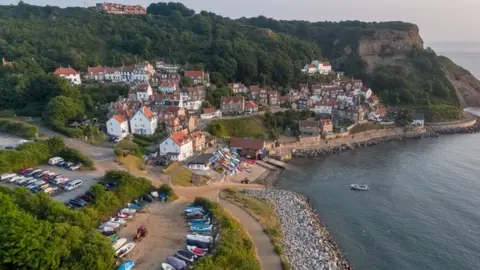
x=128, y=265
x=197, y=251
x=359, y=187
x=109, y=224
x=120, y=221
x=125, y=249
x=201, y=228
x=128, y=211
x=194, y=222
x=177, y=263
x=120, y=242
x=202, y=238
x=166, y=266
x=124, y=216
x=113, y=238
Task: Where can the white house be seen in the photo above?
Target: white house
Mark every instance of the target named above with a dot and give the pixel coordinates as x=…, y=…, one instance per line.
x=143, y=91
x=167, y=87
x=70, y=74
x=143, y=72
x=143, y=122
x=324, y=107
x=201, y=162
x=192, y=105
x=418, y=119
x=177, y=147
x=209, y=113
x=117, y=126
x=317, y=67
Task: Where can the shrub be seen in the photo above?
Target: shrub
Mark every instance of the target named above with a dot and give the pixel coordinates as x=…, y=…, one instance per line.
x=7, y=113
x=70, y=132
x=285, y=264
x=278, y=249
x=167, y=189
x=234, y=249
x=18, y=129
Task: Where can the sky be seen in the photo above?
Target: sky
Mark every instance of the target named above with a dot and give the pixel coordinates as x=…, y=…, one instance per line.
x=438, y=20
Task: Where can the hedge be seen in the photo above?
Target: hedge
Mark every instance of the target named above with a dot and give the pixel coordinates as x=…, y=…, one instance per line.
x=36, y=153
x=234, y=249
x=18, y=129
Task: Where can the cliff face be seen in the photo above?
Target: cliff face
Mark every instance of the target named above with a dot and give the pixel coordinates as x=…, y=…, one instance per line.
x=466, y=85
x=388, y=47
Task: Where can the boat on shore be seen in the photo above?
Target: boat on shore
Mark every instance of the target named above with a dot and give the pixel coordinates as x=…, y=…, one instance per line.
x=359, y=187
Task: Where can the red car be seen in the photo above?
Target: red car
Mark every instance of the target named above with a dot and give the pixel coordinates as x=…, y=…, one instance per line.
x=48, y=177
x=25, y=170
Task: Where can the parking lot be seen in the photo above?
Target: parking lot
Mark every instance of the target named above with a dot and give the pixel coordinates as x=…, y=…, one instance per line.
x=89, y=178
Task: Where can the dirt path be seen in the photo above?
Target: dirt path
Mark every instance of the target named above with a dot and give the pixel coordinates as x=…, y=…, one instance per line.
x=265, y=251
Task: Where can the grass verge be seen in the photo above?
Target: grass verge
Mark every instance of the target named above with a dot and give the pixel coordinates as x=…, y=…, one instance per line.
x=133, y=164
x=234, y=249
x=266, y=216
x=182, y=177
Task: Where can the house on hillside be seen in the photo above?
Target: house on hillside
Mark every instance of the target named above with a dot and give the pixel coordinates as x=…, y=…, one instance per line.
x=198, y=141
x=72, y=75
x=327, y=126
x=95, y=73
x=418, y=119
x=238, y=88
x=249, y=148
x=209, y=113
x=141, y=92
x=198, y=76
x=117, y=126
x=232, y=105
x=143, y=122
x=273, y=98
x=167, y=87
x=201, y=162
x=251, y=107
x=161, y=66
x=317, y=67
x=178, y=146
x=309, y=127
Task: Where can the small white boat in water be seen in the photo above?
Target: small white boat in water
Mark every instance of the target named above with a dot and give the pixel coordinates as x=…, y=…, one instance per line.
x=359, y=187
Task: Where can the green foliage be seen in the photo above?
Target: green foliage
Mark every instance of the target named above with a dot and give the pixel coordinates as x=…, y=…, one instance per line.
x=60, y=111
x=7, y=114
x=18, y=129
x=206, y=104
x=165, y=188
x=36, y=153
x=214, y=96
x=442, y=113
x=238, y=127
x=234, y=249
x=403, y=118
x=126, y=146
x=287, y=120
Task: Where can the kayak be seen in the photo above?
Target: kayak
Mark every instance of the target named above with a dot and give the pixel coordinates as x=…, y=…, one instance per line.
x=167, y=266
x=197, y=251
x=128, y=265
x=120, y=242
x=124, y=250
x=128, y=211
x=113, y=238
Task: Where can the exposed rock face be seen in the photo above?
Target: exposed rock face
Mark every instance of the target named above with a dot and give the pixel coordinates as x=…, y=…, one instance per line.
x=466, y=85
x=388, y=47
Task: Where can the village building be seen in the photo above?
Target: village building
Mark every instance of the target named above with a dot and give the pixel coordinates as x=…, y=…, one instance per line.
x=119, y=74
x=143, y=72
x=201, y=163
x=209, y=113
x=232, y=105
x=169, y=87
x=309, y=127
x=194, y=93
x=355, y=113
x=95, y=73
x=255, y=91
x=143, y=122
x=123, y=106
x=198, y=76
x=113, y=8
x=190, y=122
x=141, y=92
x=178, y=146
x=167, y=100
x=327, y=126
x=249, y=148
x=117, y=126
x=238, y=88
x=161, y=66
x=273, y=98
x=70, y=74
x=198, y=139
x=418, y=119
x=325, y=106
x=173, y=123
x=193, y=105
x=251, y=107
x=5, y=62
x=317, y=67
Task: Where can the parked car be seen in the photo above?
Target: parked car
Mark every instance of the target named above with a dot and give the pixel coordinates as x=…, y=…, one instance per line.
x=68, y=165
x=38, y=173
x=24, y=180
x=61, y=163
x=75, y=167
x=50, y=189
x=55, y=160
x=35, y=184
x=25, y=170
x=15, y=178
x=7, y=176
x=73, y=185
x=30, y=181
x=161, y=162
x=47, y=176
x=78, y=202
x=86, y=198
x=34, y=172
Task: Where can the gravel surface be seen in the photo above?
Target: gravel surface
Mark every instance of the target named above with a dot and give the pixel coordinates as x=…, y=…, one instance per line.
x=307, y=243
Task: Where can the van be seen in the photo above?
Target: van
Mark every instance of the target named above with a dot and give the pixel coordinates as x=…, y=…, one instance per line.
x=55, y=160
x=73, y=185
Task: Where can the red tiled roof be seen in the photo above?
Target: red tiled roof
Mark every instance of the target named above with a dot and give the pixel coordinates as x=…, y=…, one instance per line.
x=196, y=135
x=238, y=85
x=381, y=111
x=309, y=123
x=167, y=84
x=97, y=69
x=146, y=111
x=250, y=104
x=65, y=71
x=119, y=118
x=255, y=88
x=248, y=143
x=209, y=110
x=194, y=73
x=232, y=99
x=180, y=138
x=143, y=86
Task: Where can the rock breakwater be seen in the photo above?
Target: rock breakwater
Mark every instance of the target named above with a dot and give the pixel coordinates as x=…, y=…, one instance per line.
x=307, y=243
x=325, y=151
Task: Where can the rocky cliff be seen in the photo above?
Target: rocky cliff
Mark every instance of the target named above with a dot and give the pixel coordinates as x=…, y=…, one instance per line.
x=466, y=85
x=388, y=47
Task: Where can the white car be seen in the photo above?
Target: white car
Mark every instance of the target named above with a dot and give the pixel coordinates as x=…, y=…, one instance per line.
x=55, y=160
x=75, y=167
x=50, y=189
x=7, y=176
x=15, y=178
x=73, y=185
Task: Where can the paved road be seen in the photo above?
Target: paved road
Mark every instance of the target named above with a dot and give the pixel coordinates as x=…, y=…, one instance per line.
x=265, y=250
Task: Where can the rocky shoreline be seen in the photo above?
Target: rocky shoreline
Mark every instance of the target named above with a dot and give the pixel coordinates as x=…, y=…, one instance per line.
x=307, y=243
x=320, y=152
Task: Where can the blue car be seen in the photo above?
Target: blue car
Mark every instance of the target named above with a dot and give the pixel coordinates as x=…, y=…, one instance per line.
x=61, y=163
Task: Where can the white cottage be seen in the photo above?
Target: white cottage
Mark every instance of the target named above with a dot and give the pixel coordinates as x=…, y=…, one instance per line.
x=178, y=146
x=117, y=126
x=70, y=74
x=143, y=122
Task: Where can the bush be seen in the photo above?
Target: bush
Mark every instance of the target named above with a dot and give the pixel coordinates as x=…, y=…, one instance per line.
x=165, y=188
x=7, y=114
x=285, y=264
x=234, y=249
x=70, y=132
x=18, y=129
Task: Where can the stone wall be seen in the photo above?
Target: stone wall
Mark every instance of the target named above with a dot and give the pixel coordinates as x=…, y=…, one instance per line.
x=450, y=125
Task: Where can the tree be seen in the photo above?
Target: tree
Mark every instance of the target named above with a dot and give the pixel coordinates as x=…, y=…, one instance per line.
x=206, y=104
x=187, y=81
x=61, y=110
x=404, y=118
